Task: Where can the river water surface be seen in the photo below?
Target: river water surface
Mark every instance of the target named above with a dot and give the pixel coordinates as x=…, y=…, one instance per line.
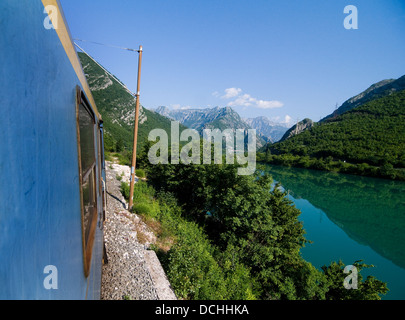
x=351, y=218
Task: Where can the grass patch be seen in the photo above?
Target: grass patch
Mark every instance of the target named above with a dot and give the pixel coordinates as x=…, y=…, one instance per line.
x=154, y=213
x=143, y=209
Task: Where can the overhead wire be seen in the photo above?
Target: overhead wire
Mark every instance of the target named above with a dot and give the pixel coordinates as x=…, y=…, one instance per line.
x=107, y=45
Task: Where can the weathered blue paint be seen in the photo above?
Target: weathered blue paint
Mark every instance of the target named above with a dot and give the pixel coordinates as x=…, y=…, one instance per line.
x=40, y=215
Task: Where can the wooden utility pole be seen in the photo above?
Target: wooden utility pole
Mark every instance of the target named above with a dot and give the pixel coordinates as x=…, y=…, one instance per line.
x=131, y=189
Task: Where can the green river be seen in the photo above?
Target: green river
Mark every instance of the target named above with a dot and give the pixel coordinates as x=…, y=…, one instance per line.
x=351, y=218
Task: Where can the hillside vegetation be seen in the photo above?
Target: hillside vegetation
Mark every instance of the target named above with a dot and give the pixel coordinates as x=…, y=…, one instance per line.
x=117, y=107
x=367, y=140
x=226, y=236
x=375, y=91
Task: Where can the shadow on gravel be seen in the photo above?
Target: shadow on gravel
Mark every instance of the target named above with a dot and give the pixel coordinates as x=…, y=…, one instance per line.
x=124, y=205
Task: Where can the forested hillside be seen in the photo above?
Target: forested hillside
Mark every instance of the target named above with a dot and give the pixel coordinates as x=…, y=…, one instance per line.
x=367, y=140
x=375, y=91
x=117, y=107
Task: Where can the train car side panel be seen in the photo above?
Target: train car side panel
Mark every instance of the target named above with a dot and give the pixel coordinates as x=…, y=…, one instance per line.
x=41, y=255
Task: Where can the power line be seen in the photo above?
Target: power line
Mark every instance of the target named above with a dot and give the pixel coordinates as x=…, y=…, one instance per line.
x=107, y=45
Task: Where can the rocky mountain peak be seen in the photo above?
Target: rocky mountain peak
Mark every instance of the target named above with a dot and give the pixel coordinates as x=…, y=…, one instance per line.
x=298, y=128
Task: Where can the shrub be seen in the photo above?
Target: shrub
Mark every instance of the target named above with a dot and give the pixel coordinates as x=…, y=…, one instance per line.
x=142, y=208
x=140, y=173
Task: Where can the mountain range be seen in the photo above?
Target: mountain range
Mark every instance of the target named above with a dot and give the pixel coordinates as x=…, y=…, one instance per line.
x=225, y=118
x=273, y=131
x=208, y=118
x=365, y=134
x=117, y=106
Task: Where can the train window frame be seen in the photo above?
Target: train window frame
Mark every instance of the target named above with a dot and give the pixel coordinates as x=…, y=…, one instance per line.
x=87, y=176
x=100, y=134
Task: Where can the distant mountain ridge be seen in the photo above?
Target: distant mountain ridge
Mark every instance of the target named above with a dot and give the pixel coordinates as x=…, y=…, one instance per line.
x=272, y=130
x=210, y=118
x=225, y=118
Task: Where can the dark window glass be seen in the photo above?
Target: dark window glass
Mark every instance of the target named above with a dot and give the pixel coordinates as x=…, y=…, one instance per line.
x=86, y=125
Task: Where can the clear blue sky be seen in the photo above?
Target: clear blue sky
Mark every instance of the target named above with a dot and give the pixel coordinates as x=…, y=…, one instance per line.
x=276, y=58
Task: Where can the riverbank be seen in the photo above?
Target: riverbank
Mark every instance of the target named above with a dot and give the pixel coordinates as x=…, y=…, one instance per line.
x=386, y=171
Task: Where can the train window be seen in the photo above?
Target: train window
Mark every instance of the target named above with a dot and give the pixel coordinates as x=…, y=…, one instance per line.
x=102, y=168
x=88, y=185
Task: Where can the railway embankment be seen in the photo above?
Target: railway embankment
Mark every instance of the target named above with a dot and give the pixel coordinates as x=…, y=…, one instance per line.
x=132, y=271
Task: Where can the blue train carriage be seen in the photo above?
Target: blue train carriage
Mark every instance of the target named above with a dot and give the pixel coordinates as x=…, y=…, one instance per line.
x=51, y=160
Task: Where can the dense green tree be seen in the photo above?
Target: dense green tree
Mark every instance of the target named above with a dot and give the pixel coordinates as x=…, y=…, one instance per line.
x=254, y=227
x=370, y=289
